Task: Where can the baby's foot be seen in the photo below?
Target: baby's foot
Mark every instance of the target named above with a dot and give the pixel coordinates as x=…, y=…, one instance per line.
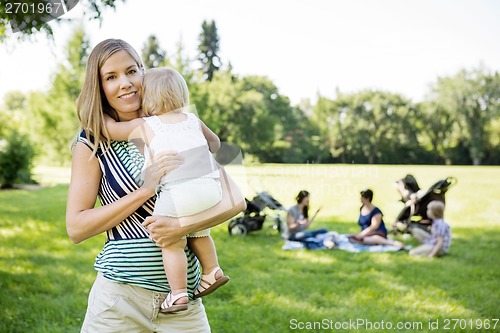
x=175, y=303
x=210, y=282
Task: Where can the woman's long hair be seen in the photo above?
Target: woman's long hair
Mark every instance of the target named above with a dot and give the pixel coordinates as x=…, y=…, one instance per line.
x=92, y=104
x=300, y=197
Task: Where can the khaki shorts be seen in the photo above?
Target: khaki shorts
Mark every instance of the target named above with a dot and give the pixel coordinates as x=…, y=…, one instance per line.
x=117, y=307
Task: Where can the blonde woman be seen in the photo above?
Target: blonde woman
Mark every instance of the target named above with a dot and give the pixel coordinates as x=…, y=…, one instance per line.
x=130, y=283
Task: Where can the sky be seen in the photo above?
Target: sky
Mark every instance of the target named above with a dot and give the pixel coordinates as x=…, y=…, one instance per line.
x=306, y=47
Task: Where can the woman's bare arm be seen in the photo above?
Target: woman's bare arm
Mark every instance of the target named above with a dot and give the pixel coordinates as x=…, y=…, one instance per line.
x=83, y=220
x=375, y=223
x=291, y=222
x=294, y=224
x=168, y=230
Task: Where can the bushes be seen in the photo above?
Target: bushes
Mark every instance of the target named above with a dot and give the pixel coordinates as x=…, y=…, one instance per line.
x=16, y=155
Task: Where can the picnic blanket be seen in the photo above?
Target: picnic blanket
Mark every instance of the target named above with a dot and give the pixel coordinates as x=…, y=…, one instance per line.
x=341, y=242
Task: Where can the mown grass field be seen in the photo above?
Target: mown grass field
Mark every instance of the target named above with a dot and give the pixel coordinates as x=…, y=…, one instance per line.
x=45, y=279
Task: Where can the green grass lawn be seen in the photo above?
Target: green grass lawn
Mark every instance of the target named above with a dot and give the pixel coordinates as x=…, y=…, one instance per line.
x=45, y=279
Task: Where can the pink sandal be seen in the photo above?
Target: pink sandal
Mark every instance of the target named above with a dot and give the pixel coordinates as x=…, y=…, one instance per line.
x=168, y=305
x=209, y=283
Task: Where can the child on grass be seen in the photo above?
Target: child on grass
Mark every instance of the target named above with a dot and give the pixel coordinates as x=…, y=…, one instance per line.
x=191, y=188
x=438, y=241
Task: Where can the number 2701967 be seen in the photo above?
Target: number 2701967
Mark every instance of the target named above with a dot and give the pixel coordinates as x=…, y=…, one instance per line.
x=453, y=324
x=32, y=8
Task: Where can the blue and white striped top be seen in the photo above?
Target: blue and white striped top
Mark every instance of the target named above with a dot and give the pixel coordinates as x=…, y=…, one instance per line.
x=129, y=256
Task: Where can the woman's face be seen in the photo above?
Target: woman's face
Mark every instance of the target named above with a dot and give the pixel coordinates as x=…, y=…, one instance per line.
x=121, y=81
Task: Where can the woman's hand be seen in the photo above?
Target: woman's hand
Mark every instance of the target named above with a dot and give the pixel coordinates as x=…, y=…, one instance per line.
x=357, y=237
x=83, y=219
x=162, y=164
x=163, y=230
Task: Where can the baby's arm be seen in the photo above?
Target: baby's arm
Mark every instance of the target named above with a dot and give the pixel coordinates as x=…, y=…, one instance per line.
x=212, y=138
x=121, y=130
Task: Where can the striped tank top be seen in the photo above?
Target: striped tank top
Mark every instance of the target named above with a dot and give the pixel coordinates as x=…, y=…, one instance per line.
x=129, y=256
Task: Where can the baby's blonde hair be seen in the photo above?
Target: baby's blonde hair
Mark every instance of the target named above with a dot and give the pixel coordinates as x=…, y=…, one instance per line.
x=163, y=90
x=437, y=208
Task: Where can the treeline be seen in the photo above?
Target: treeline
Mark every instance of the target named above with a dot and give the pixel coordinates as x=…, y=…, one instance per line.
x=458, y=123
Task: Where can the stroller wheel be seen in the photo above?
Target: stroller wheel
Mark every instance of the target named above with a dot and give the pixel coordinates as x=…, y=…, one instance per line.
x=238, y=230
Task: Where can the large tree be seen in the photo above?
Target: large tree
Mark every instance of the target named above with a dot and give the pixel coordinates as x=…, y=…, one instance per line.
x=474, y=98
x=246, y=111
x=54, y=112
x=362, y=127
x=209, y=49
x=16, y=149
x=152, y=54
x=13, y=115
x=436, y=127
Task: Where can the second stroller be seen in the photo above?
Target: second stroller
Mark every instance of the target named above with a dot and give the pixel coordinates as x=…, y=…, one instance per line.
x=254, y=216
x=414, y=213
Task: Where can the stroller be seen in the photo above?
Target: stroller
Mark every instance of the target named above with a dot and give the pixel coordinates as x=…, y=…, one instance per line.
x=253, y=217
x=414, y=213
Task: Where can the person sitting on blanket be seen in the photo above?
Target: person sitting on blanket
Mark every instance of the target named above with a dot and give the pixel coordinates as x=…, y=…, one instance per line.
x=298, y=221
x=373, y=230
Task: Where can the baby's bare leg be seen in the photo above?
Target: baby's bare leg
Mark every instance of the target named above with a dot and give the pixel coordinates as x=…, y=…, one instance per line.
x=204, y=249
x=175, y=264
